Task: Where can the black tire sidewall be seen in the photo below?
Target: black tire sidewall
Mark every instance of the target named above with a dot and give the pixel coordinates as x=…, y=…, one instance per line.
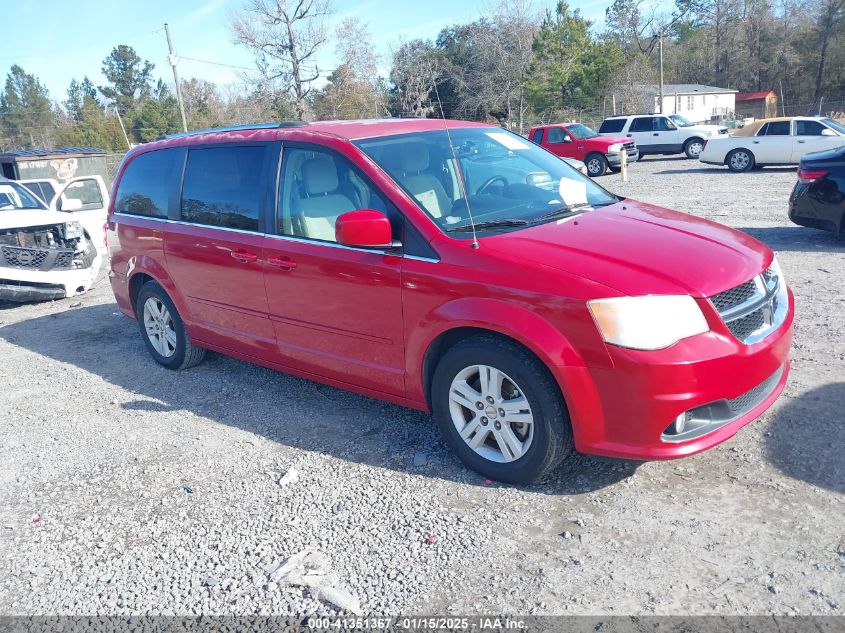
x=551, y=424
x=153, y=289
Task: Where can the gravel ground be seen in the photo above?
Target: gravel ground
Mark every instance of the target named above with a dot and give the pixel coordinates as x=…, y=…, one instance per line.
x=126, y=488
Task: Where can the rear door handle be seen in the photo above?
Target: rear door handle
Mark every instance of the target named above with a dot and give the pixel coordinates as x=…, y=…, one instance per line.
x=284, y=263
x=656, y=134
x=242, y=256
x=801, y=141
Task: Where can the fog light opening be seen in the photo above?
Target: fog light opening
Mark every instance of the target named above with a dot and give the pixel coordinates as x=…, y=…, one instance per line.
x=680, y=423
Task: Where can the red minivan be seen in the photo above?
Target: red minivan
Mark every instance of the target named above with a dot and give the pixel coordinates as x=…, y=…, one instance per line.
x=455, y=268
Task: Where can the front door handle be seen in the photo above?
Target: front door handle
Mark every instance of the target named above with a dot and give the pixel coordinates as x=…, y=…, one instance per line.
x=281, y=262
x=656, y=134
x=242, y=256
x=801, y=141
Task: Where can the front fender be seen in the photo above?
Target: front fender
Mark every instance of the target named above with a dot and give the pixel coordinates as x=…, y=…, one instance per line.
x=513, y=321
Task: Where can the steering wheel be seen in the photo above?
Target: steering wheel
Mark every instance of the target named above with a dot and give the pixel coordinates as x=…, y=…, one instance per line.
x=489, y=182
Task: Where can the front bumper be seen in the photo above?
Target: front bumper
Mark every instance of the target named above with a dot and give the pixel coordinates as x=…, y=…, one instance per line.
x=615, y=159
x=21, y=285
x=624, y=411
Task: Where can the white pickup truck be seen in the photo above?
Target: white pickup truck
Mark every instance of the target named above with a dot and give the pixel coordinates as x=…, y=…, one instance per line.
x=51, y=250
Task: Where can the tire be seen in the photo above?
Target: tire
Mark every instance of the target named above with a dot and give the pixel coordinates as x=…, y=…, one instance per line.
x=740, y=160
x=172, y=347
x=693, y=147
x=597, y=165
x=528, y=392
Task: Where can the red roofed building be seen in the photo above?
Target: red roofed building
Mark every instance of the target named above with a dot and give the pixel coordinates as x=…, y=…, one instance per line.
x=760, y=105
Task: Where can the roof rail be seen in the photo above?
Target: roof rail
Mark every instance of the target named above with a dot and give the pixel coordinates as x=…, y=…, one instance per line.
x=235, y=128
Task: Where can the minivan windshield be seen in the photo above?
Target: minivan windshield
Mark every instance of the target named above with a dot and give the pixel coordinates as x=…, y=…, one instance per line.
x=14, y=196
x=581, y=131
x=509, y=182
x=680, y=121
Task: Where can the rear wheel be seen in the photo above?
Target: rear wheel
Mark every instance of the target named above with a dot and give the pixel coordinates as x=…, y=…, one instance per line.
x=163, y=331
x=740, y=160
x=500, y=410
x=693, y=147
x=597, y=165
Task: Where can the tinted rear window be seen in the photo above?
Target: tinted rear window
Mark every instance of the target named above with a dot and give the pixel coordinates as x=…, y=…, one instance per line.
x=222, y=186
x=537, y=136
x=612, y=126
x=145, y=186
x=777, y=128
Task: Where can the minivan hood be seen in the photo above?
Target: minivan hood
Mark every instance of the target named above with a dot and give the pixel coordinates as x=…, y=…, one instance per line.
x=23, y=218
x=638, y=248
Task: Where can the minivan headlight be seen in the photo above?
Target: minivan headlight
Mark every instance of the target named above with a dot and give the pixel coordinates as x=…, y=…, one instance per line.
x=649, y=322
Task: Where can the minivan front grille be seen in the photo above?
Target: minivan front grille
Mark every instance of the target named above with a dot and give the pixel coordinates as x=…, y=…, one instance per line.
x=752, y=310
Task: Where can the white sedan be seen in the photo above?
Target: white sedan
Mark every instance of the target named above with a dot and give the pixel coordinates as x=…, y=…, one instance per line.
x=781, y=141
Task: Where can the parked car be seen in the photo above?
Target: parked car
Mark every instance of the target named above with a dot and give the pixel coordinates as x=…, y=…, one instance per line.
x=463, y=271
x=662, y=133
x=818, y=198
x=780, y=141
x=576, y=140
x=575, y=164
x=51, y=251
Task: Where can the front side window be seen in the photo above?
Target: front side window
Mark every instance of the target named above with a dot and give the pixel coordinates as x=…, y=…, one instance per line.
x=14, y=196
x=222, y=186
x=508, y=181
x=641, y=124
x=837, y=127
x=557, y=135
x=662, y=124
x=809, y=128
x=317, y=187
x=144, y=188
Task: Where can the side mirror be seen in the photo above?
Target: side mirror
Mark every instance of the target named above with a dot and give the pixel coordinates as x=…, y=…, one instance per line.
x=68, y=204
x=365, y=228
x=828, y=132
x=567, y=138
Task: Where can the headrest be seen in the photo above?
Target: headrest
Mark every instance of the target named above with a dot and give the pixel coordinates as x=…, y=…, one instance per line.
x=409, y=157
x=319, y=176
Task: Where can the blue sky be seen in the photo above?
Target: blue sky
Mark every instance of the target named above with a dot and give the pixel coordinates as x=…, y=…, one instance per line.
x=59, y=41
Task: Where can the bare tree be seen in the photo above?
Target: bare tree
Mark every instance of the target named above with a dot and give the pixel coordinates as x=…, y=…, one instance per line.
x=828, y=22
x=416, y=68
x=285, y=36
x=354, y=89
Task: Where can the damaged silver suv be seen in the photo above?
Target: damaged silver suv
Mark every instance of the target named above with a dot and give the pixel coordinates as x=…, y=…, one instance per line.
x=50, y=251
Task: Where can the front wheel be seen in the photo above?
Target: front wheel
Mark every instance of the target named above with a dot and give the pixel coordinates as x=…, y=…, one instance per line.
x=500, y=410
x=693, y=148
x=163, y=331
x=740, y=160
x=597, y=165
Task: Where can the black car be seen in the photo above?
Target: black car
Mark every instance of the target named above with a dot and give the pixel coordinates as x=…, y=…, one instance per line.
x=818, y=199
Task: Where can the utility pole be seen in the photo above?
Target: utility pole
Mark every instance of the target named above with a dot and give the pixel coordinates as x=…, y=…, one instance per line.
x=119, y=120
x=173, y=59
x=660, y=46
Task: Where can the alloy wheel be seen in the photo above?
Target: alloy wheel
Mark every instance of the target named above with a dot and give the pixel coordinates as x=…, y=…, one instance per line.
x=695, y=148
x=159, y=327
x=740, y=161
x=491, y=413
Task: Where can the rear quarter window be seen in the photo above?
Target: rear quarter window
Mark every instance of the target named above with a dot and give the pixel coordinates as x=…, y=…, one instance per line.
x=611, y=126
x=144, y=188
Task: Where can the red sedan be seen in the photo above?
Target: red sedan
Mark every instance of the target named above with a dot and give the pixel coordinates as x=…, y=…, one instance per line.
x=460, y=270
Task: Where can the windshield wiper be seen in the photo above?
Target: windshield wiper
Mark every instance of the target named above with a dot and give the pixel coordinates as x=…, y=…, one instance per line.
x=565, y=210
x=488, y=224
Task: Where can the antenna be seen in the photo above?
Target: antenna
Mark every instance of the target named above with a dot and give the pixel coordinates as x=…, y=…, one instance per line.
x=457, y=167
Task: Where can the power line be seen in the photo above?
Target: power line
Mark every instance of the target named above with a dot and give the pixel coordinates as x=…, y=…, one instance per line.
x=206, y=61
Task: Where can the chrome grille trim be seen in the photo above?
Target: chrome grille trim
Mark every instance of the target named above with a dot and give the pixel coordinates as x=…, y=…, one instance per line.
x=754, y=309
